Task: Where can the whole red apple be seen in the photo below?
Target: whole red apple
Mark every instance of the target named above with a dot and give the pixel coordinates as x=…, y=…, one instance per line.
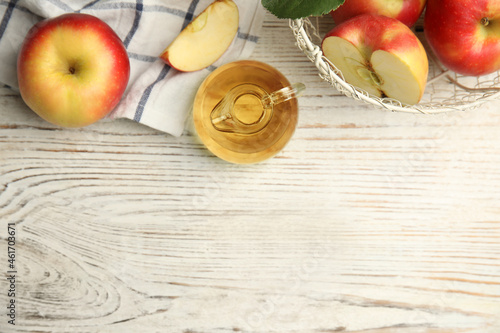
x=465, y=34
x=406, y=11
x=72, y=69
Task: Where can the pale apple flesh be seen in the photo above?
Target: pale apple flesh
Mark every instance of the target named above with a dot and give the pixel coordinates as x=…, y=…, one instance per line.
x=72, y=70
x=406, y=11
x=205, y=39
x=471, y=47
x=379, y=55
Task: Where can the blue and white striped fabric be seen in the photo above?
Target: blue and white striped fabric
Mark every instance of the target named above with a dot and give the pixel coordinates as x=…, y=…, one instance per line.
x=157, y=95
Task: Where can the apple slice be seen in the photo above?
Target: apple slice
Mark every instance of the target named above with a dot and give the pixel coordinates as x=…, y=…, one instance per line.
x=380, y=55
x=205, y=39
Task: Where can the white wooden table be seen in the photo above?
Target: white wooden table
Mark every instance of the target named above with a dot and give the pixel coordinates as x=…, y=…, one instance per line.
x=368, y=221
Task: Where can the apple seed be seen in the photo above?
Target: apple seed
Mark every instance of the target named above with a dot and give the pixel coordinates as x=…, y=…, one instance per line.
x=369, y=76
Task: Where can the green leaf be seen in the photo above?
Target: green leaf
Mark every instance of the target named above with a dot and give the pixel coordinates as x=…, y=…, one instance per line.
x=294, y=9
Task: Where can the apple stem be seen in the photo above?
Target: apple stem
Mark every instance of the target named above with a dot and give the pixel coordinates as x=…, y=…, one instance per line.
x=485, y=21
x=72, y=70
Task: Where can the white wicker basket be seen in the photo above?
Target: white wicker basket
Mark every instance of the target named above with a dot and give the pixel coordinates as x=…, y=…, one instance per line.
x=445, y=90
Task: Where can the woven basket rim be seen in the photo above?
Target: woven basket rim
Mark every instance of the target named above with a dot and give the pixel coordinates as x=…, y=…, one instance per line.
x=331, y=74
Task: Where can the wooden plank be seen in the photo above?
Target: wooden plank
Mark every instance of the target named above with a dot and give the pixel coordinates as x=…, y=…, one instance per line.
x=368, y=221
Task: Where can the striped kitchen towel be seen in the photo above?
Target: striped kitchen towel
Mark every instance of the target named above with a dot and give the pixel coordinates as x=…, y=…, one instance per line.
x=157, y=95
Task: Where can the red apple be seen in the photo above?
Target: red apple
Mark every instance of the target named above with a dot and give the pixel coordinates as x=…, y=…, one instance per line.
x=72, y=69
x=465, y=34
x=406, y=11
x=380, y=55
x=205, y=39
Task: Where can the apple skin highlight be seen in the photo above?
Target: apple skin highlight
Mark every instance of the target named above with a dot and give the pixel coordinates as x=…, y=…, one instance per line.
x=72, y=69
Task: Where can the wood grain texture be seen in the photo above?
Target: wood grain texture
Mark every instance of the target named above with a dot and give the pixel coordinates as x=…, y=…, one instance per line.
x=368, y=221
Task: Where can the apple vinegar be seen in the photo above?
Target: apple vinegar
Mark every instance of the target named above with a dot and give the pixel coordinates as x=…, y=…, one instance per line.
x=272, y=130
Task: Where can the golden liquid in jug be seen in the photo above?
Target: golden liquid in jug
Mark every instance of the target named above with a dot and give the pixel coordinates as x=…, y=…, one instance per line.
x=244, y=147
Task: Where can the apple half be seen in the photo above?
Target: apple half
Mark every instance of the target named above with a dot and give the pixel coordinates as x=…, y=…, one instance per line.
x=205, y=39
x=380, y=55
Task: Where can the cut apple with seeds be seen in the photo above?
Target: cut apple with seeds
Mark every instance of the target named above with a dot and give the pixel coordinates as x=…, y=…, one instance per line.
x=205, y=39
x=379, y=55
